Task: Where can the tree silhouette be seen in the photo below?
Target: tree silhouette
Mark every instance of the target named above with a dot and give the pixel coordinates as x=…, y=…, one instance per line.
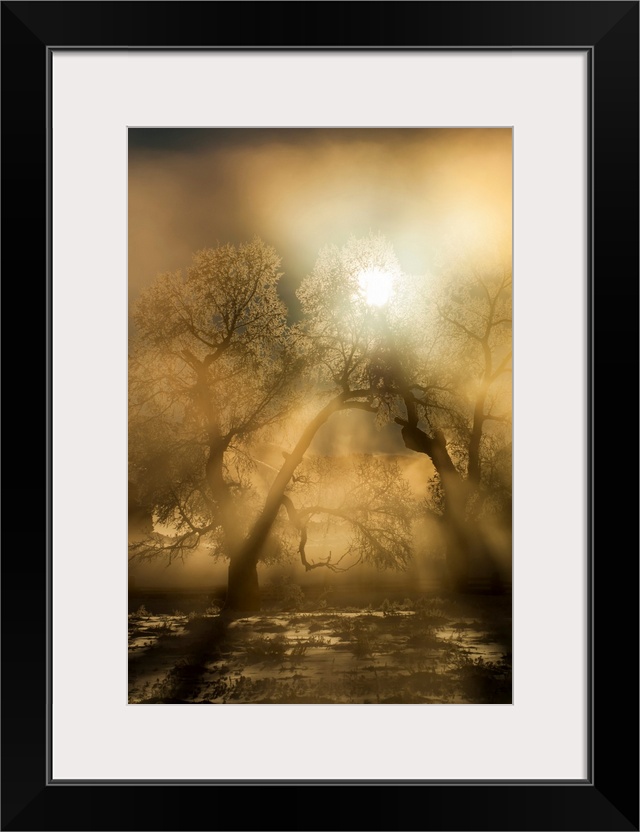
x=214, y=371
x=444, y=367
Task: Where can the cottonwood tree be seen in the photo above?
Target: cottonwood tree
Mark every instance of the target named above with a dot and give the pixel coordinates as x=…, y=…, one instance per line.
x=214, y=371
x=211, y=366
x=443, y=366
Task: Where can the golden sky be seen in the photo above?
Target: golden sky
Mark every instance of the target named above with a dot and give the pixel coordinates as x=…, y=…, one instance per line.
x=300, y=189
x=428, y=191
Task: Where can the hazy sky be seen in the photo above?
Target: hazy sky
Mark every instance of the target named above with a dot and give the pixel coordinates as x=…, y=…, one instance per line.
x=426, y=190
x=299, y=189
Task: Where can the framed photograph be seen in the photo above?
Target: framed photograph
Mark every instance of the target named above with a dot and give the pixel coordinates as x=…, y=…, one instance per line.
x=292, y=559
x=333, y=294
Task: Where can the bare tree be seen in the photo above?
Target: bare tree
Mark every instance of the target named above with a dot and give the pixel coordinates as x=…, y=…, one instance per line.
x=214, y=370
x=444, y=366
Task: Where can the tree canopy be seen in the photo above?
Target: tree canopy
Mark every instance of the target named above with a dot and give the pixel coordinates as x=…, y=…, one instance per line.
x=211, y=366
x=218, y=373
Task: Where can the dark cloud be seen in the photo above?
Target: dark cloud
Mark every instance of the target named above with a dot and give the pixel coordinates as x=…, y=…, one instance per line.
x=143, y=140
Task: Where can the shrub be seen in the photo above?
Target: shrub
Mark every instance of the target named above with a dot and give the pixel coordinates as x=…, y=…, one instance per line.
x=262, y=649
x=287, y=595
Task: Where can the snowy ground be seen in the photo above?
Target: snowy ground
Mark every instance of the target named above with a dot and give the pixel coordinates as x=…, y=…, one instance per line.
x=434, y=650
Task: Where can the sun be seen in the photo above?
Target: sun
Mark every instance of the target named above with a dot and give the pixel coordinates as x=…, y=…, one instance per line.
x=376, y=286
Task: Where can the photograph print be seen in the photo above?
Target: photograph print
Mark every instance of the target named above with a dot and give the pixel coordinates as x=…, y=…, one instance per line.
x=320, y=416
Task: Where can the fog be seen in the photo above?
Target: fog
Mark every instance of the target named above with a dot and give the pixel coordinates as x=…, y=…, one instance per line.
x=299, y=190
x=438, y=196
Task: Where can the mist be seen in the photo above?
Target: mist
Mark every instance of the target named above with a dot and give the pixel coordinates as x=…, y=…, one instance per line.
x=320, y=415
x=300, y=190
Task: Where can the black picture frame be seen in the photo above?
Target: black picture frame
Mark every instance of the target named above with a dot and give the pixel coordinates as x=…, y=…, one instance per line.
x=608, y=798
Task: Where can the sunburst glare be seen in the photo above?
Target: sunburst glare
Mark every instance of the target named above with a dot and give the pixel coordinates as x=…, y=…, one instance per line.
x=376, y=286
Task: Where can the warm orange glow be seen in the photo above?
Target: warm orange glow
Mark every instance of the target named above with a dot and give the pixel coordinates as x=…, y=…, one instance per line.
x=320, y=415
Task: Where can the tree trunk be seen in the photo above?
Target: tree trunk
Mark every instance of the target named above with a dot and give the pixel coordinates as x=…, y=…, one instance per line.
x=457, y=553
x=465, y=544
x=456, y=493
x=486, y=556
x=243, y=592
